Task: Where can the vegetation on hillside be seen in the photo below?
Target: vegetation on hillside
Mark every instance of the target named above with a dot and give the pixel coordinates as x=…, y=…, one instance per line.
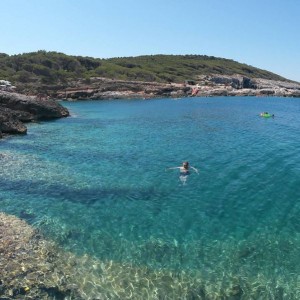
x=52, y=68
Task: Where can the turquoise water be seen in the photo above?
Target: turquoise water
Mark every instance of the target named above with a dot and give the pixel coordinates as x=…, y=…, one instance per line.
x=97, y=183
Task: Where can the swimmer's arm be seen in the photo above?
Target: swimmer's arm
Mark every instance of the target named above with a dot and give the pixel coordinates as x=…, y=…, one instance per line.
x=173, y=168
x=194, y=169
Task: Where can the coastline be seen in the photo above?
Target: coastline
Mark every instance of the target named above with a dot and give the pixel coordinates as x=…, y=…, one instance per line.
x=16, y=109
x=207, y=86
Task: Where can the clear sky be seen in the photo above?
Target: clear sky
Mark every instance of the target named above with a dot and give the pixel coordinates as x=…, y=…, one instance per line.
x=261, y=33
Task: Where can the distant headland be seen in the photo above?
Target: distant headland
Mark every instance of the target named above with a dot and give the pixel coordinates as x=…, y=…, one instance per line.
x=29, y=82
x=60, y=76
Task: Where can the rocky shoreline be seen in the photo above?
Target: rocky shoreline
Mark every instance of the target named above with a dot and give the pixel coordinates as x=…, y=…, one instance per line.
x=17, y=109
x=208, y=85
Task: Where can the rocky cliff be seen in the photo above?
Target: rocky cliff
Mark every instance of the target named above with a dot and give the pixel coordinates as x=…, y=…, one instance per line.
x=207, y=85
x=17, y=109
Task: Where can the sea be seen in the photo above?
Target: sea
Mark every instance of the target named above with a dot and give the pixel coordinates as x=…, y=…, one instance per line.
x=99, y=184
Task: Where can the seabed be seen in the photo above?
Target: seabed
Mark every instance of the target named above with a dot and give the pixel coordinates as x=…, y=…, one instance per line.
x=34, y=268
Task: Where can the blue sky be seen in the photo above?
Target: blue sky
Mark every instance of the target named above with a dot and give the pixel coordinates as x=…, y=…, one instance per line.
x=261, y=33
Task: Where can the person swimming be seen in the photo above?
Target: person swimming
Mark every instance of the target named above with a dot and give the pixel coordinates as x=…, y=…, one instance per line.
x=184, y=171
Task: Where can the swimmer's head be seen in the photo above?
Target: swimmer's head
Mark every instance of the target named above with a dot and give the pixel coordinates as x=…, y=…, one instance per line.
x=185, y=164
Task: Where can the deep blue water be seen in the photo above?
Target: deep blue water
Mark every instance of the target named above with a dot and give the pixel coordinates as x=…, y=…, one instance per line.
x=97, y=183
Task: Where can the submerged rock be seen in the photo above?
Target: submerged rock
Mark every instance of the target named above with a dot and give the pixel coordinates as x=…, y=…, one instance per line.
x=26, y=264
x=16, y=109
x=34, y=268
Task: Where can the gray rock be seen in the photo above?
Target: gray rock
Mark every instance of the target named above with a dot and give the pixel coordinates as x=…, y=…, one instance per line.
x=39, y=109
x=10, y=124
x=235, y=81
x=16, y=109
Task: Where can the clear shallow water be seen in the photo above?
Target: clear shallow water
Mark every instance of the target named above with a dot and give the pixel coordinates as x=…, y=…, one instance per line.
x=96, y=183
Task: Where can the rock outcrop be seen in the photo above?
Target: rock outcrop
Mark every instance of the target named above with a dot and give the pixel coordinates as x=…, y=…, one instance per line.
x=17, y=109
x=207, y=85
x=237, y=85
x=103, y=88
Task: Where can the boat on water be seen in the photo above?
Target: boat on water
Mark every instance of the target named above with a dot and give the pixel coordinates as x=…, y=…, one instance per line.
x=266, y=115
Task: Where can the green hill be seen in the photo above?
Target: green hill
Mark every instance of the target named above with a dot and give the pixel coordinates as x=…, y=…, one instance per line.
x=53, y=68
